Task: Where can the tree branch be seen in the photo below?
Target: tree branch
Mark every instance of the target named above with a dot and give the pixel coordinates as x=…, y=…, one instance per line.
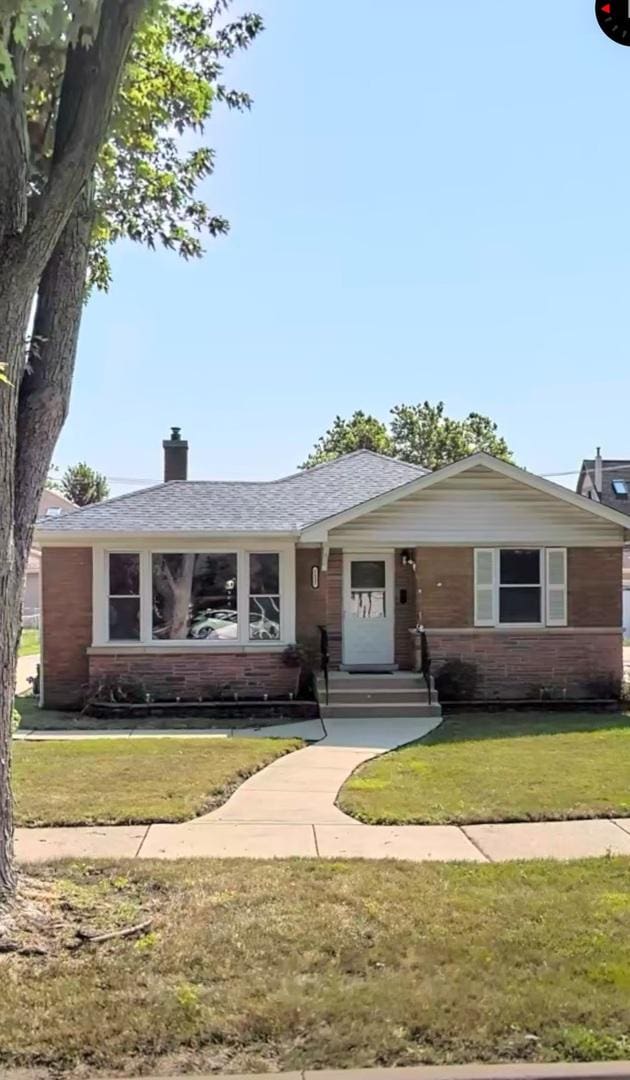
x=44, y=394
x=14, y=154
x=91, y=80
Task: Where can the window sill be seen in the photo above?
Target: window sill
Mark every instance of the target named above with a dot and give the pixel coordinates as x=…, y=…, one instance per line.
x=184, y=647
x=516, y=629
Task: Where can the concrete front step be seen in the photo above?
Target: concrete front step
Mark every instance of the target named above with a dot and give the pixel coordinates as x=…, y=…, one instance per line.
x=373, y=697
x=341, y=680
x=372, y=711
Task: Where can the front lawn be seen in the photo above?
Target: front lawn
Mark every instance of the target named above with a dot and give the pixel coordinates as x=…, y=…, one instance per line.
x=29, y=643
x=129, y=781
x=500, y=767
x=260, y=966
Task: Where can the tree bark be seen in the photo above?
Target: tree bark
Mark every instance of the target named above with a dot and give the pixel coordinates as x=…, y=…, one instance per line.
x=91, y=80
x=39, y=411
x=14, y=156
x=44, y=395
x=12, y=335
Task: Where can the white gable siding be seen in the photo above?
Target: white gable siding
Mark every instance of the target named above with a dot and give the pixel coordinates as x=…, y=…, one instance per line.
x=478, y=507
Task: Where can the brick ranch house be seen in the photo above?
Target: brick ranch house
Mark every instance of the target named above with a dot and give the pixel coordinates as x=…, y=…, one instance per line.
x=190, y=585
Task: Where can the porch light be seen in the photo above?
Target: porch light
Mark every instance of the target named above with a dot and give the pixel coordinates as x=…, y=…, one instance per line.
x=314, y=577
x=405, y=557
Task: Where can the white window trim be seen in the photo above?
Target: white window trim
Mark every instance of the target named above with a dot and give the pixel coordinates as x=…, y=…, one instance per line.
x=122, y=596
x=100, y=594
x=543, y=586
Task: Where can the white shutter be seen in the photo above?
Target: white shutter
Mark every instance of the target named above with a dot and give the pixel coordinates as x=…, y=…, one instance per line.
x=556, y=579
x=484, y=587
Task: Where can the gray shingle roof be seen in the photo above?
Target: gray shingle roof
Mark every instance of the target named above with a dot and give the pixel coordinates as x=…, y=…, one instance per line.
x=611, y=470
x=286, y=505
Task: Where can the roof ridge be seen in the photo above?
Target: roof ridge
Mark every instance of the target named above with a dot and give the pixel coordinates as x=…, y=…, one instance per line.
x=344, y=457
x=231, y=483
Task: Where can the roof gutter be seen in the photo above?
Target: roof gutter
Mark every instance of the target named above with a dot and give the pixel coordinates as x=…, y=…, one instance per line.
x=74, y=538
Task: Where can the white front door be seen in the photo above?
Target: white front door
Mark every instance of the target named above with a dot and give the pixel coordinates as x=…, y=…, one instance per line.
x=368, y=609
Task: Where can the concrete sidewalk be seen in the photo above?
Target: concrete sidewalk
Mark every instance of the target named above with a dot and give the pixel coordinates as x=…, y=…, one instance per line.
x=289, y=809
x=266, y=840
x=596, y=1070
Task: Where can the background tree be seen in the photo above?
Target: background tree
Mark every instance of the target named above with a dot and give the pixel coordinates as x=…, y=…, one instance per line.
x=83, y=485
x=423, y=435
x=360, y=432
x=420, y=434
x=95, y=96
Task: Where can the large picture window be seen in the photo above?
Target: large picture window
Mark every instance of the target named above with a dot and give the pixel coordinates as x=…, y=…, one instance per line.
x=124, y=596
x=194, y=596
x=264, y=597
x=239, y=597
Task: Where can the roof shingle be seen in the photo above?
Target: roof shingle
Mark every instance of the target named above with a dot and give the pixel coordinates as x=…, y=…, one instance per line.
x=275, y=506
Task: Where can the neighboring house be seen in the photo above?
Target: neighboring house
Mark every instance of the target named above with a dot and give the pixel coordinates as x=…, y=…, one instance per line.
x=608, y=481
x=191, y=585
x=52, y=503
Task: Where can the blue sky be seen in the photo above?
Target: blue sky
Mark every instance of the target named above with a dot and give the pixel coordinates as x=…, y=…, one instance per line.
x=428, y=200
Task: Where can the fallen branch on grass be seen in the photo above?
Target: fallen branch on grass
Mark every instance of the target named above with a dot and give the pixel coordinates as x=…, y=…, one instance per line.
x=86, y=936
x=22, y=950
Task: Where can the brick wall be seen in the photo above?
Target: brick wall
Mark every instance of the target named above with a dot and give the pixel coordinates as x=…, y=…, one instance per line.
x=594, y=578
x=334, y=605
x=404, y=614
x=446, y=577
x=196, y=674
x=66, y=624
x=515, y=664
x=310, y=603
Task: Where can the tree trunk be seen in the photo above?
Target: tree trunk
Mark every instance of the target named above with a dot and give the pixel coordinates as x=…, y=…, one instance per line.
x=182, y=594
x=13, y=325
x=37, y=245
x=32, y=420
x=44, y=395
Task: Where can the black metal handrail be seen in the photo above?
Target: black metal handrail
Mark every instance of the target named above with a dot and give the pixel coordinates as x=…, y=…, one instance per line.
x=324, y=656
x=425, y=659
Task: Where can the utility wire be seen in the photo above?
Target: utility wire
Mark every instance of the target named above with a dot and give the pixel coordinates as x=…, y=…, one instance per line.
x=153, y=480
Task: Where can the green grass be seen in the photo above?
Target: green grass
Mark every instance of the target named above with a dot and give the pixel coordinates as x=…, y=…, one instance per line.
x=32, y=717
x=29, y=643
x=258, y=966
x=128, y=781
x=500, y=767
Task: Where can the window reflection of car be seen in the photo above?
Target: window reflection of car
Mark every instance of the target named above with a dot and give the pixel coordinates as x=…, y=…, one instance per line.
x=263, y=629
x=222, y=624
x=214, y=623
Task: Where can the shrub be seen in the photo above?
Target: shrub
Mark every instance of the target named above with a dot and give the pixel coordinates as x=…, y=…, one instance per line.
x=457, y=680
x=301, y=655
x=118, y=690
x=16, y=720
x=604, y=687
x=292, y=656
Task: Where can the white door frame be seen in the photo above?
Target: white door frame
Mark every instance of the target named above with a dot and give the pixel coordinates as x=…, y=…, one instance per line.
x=387, y=555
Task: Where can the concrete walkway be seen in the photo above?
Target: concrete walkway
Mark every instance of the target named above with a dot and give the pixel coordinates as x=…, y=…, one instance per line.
x=288, y=809
x=595, y=1070
x=26, y=669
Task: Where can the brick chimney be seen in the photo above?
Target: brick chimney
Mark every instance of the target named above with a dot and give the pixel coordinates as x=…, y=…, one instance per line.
x=175, y=456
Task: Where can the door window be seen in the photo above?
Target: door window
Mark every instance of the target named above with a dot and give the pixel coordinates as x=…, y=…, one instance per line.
x=367, y=589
